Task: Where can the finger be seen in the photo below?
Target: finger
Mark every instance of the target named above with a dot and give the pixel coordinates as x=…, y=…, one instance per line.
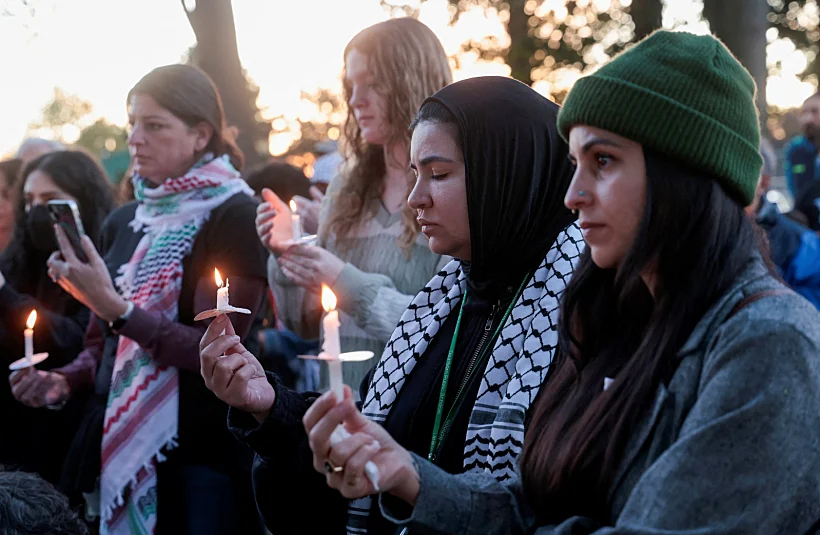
x=356, y=462
x=54, y=258
x=17, y=376
x=264, y=217
x=303, y=251
x=242, y=376
x=353, y=418
x=65, y=246
x=341, y=453
x=317, y=410
x=224, y=370
x=274, y=200
x=91, y=253
x=263, y=207
x=264, y=229
x=211, y=355
x=296, y=277
x=213, y=331
x=319, y=435
x=316, y=194
x=23, y=387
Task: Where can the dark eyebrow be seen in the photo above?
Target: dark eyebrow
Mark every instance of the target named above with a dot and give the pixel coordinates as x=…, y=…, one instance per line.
x=599, y=141
x=435, y=158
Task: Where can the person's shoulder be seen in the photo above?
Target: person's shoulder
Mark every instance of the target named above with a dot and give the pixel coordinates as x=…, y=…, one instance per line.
x=772, y=315
x=798, y=144
x=238, y=203
x=121, y=216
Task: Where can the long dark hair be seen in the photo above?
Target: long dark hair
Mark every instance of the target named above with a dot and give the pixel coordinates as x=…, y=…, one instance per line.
x=696, y=240
x=190, y=94
x=77, y=174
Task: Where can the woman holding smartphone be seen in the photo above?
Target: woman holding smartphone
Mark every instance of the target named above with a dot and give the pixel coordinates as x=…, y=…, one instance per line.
x=154, y=442
x=41, y=437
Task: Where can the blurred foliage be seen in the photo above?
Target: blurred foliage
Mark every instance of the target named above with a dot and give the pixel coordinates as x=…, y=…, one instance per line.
x=799, y=20
x=68, y=118
x=321, y=119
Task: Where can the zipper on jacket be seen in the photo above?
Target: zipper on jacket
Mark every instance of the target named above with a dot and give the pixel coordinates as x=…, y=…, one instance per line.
x=483, y=340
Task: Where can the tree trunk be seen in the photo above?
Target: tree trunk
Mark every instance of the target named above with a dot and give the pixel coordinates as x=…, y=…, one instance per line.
x=742, y=25
x=522, y=45
x=647, y=15
x=217, y=54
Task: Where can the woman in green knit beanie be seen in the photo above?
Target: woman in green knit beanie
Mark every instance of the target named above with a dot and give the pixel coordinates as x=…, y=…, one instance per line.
x=685, y=394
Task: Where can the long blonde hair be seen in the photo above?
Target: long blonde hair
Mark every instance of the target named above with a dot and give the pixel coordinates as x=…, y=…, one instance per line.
x=409, y=63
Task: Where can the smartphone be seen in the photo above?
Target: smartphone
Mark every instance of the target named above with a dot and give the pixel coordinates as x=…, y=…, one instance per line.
x=66, y=214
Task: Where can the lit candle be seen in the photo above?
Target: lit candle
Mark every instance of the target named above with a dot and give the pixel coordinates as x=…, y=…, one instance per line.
x=332, y=349
x=295, y=221
x=222, y=298
x=331, y=345
x=29, y=335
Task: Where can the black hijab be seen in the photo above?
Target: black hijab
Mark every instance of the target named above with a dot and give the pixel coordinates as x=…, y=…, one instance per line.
x=517, y=173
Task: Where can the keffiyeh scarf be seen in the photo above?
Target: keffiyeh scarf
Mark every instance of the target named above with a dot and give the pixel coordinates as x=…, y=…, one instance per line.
x=514, y=373
x=143, y=402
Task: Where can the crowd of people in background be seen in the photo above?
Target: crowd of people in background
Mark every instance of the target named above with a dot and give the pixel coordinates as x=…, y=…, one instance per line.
x=587, y=319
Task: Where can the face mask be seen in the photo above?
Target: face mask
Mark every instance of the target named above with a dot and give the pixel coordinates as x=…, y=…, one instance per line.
x=40, y=229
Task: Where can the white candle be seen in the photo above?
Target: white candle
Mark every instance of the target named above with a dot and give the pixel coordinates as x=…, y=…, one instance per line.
x=222, y=298
x=28, y=335
x=295, y=221
x=331, y=345
x=333, y=350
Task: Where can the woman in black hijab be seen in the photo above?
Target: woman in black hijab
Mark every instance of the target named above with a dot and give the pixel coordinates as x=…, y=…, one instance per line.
x=471, y=350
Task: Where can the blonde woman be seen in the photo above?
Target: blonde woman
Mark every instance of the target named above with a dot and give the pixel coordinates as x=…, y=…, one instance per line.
x=371, y=251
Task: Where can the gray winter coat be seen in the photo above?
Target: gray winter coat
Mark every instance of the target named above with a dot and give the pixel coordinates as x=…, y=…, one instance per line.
x=730, y=446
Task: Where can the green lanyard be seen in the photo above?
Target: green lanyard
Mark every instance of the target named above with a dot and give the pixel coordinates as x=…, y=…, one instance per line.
x=438, y=436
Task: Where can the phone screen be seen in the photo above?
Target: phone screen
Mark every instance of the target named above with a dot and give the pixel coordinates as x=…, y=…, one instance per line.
x=66, y=215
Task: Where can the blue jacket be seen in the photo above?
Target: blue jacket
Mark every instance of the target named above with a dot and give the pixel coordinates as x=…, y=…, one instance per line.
x=802, y=166
x=795, y=250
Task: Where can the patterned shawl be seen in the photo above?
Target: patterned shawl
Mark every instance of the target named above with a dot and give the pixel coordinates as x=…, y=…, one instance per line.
x=514, y=372
x=142, y=413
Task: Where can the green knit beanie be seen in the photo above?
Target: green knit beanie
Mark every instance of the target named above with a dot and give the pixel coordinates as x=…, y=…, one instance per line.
x=682, y=95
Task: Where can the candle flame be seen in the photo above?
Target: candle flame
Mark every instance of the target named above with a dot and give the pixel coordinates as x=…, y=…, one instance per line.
x=32, y=319
x=328, y=299
x=218, y=278
x=293, y=206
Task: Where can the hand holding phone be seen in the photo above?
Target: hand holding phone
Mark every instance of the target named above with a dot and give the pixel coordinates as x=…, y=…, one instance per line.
x=66, y=215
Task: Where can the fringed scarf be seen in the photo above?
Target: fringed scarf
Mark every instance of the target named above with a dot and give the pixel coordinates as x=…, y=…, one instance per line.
x=141, y=417
x=515, y=370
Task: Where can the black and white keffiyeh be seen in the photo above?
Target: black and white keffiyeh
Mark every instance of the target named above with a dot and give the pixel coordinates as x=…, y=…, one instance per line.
x=515, y=369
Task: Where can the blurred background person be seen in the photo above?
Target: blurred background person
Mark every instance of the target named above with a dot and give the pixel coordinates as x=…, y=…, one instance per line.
x=370, y=250
x=41, y=437
x=34, y=147
x=29, y=505
x=9, y=172
x=803, y=163
x=283, y=179
x=794, y=248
